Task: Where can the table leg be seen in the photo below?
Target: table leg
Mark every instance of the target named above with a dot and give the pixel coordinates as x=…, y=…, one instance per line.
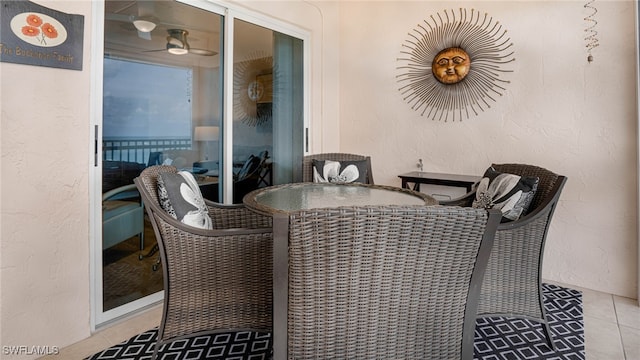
x=405, y=185
x=280, y=284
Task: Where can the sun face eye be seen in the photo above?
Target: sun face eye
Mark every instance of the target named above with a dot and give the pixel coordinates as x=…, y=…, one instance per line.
x=458, y=59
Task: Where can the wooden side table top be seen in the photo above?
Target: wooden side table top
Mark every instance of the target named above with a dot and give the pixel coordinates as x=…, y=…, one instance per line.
x=423, y=177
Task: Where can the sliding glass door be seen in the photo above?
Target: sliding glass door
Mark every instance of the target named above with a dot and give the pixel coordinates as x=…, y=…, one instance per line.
x=267, y=108
x=165, y=96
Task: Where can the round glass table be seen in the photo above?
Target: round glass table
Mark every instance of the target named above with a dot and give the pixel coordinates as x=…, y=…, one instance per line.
x=299, y=196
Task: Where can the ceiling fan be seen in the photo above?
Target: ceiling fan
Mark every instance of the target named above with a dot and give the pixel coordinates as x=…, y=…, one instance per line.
x=144, y=16
x=177, y=44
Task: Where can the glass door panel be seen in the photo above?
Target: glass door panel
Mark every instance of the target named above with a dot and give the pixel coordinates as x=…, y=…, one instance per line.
x=267, y=108
x=161, y=105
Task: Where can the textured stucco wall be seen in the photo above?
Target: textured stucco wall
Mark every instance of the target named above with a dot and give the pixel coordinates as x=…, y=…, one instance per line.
x=44, y=289
x=45, y=136
x=558, y=112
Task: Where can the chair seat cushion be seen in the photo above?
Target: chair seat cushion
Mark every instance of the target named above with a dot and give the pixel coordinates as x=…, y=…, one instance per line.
x=340, y=171
x=180, y=196
x=510, y=193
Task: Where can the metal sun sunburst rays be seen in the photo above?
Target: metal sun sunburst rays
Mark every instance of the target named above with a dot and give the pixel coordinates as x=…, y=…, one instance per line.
x=245, y=74
x=488, y=47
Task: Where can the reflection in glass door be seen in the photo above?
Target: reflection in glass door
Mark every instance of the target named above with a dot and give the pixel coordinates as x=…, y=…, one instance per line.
x=163, y=103
x=267, y=108
x=147, y=116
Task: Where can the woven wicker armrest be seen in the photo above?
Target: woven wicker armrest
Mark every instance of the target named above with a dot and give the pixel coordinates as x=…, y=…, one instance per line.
x=225, y=225
x=236, y=216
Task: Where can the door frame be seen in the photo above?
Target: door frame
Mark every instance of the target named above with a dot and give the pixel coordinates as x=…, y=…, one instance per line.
x=230, y=12
x=637, y=35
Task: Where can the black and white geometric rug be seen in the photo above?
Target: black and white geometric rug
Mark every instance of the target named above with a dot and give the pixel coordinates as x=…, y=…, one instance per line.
x=495, y=338
x=518, y=339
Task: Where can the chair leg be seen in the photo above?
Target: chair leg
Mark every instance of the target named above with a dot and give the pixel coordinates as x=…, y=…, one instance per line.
x=155, y=266
x=153, y=250
x=156, y=347
x=546, y=329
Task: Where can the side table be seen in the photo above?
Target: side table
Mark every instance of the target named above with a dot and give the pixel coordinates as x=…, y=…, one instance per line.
x=421, y=177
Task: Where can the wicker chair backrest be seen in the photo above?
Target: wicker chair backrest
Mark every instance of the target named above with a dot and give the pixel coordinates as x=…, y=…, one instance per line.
x=149, y=179
x=307, y=163
x=545, y=186
x=389, y=282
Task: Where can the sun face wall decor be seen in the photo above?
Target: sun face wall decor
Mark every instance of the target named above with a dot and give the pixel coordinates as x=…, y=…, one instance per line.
x=453, y=64
x=253, y=89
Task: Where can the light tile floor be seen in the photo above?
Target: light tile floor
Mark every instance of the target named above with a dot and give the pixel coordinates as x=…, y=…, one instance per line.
x=612, y=329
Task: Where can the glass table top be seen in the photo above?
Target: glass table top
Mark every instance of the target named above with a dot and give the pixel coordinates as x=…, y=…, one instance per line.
x=300, y=196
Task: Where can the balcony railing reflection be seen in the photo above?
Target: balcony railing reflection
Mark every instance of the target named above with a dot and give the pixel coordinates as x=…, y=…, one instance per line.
x=138, y=150
x=124, y=158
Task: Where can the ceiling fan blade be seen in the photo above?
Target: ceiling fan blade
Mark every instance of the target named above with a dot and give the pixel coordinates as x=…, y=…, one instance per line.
x=119, y=17
x=202, y=52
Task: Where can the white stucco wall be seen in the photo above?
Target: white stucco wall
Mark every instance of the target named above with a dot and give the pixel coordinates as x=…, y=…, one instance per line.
x=46, y=142
x=44, y=239
x=559, y=112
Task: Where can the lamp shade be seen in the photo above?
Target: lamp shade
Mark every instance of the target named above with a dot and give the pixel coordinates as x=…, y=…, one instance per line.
x=206, y=133
x=144, y=25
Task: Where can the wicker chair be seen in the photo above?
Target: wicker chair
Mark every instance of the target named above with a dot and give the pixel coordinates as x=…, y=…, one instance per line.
x=394, y=282
x=512, y=285
x=307, y=164
x=214, y=280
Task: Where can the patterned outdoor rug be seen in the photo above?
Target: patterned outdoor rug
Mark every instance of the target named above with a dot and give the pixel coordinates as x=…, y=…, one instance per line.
x=495, y=338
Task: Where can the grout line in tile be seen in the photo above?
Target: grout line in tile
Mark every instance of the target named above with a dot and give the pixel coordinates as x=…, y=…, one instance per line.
x=617, y=316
